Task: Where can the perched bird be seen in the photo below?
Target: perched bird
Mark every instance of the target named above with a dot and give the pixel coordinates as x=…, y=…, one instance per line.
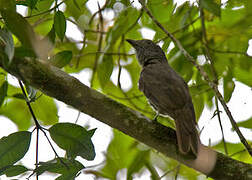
x=167, y=92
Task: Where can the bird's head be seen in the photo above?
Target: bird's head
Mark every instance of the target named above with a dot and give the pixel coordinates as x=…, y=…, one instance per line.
x=146, y=50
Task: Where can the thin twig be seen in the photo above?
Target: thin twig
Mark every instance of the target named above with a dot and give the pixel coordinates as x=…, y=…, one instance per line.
x=208, y=57
x=78, y=116
x=204, y=74
x=222, y=132
x=35, y=120
x=169, y=171
x=180, y=29
x=56, y=154
x=47, y=11
x=124, y=98
x=153, y=171
x=38, y=127
x=105, y=53
x=230, y=52
x=98, y=12
x=119, y=64
x=99, y=45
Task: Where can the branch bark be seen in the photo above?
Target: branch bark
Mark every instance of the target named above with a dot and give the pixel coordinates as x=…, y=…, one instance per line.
x=58, y=84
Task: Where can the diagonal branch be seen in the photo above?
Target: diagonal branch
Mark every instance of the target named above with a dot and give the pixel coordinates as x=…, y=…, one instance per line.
x=209, y=57
x=204, y=74
x=58, y=84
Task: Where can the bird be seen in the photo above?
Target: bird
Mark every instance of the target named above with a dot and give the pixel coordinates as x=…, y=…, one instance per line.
x=167, y=93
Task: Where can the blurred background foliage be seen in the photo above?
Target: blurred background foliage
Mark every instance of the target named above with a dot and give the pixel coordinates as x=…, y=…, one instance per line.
x=103, y=50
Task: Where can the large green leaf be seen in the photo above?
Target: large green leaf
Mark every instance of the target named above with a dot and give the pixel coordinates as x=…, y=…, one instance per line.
x=73, y=138
x=60, y=24
x=13, y=148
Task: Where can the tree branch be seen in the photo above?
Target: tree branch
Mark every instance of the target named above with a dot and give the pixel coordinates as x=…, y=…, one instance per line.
x=58, y=84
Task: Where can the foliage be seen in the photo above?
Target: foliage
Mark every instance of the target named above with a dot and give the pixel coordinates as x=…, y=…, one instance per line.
x=104, y=49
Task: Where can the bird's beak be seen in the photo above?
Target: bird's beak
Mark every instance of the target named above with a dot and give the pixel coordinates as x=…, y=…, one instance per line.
x=133, y=43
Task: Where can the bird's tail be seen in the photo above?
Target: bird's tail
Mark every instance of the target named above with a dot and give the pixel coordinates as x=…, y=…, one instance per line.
x=187, y=134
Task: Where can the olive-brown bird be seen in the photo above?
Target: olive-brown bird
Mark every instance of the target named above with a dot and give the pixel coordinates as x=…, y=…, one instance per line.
x=167, y=92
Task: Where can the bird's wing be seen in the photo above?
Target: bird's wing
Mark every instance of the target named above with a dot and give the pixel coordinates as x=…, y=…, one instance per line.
x=163, y=87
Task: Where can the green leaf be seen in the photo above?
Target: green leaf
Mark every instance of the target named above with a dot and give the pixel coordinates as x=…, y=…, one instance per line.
x=24, y=32
x=60, y=24
x=51, y=35
x=14, y=170
x=74, y=139
x=14, y=147
x=91, y=132
x=7, y=39
x=246, y=123
x=122, y=153
x=3, y=92
x=104, y=70
x=32, y=92
x=32, y=3
x=8, y=5
x=69, y=169
x=40, y=108
x=19, y=96
x=21, y=117
x=161, y=9
x=228, y=85
x=198, y=103
x=24, y=52
x=138, y=163
x=243, y=75
x=61, y=59
x=211, y=6
x=236, y=150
